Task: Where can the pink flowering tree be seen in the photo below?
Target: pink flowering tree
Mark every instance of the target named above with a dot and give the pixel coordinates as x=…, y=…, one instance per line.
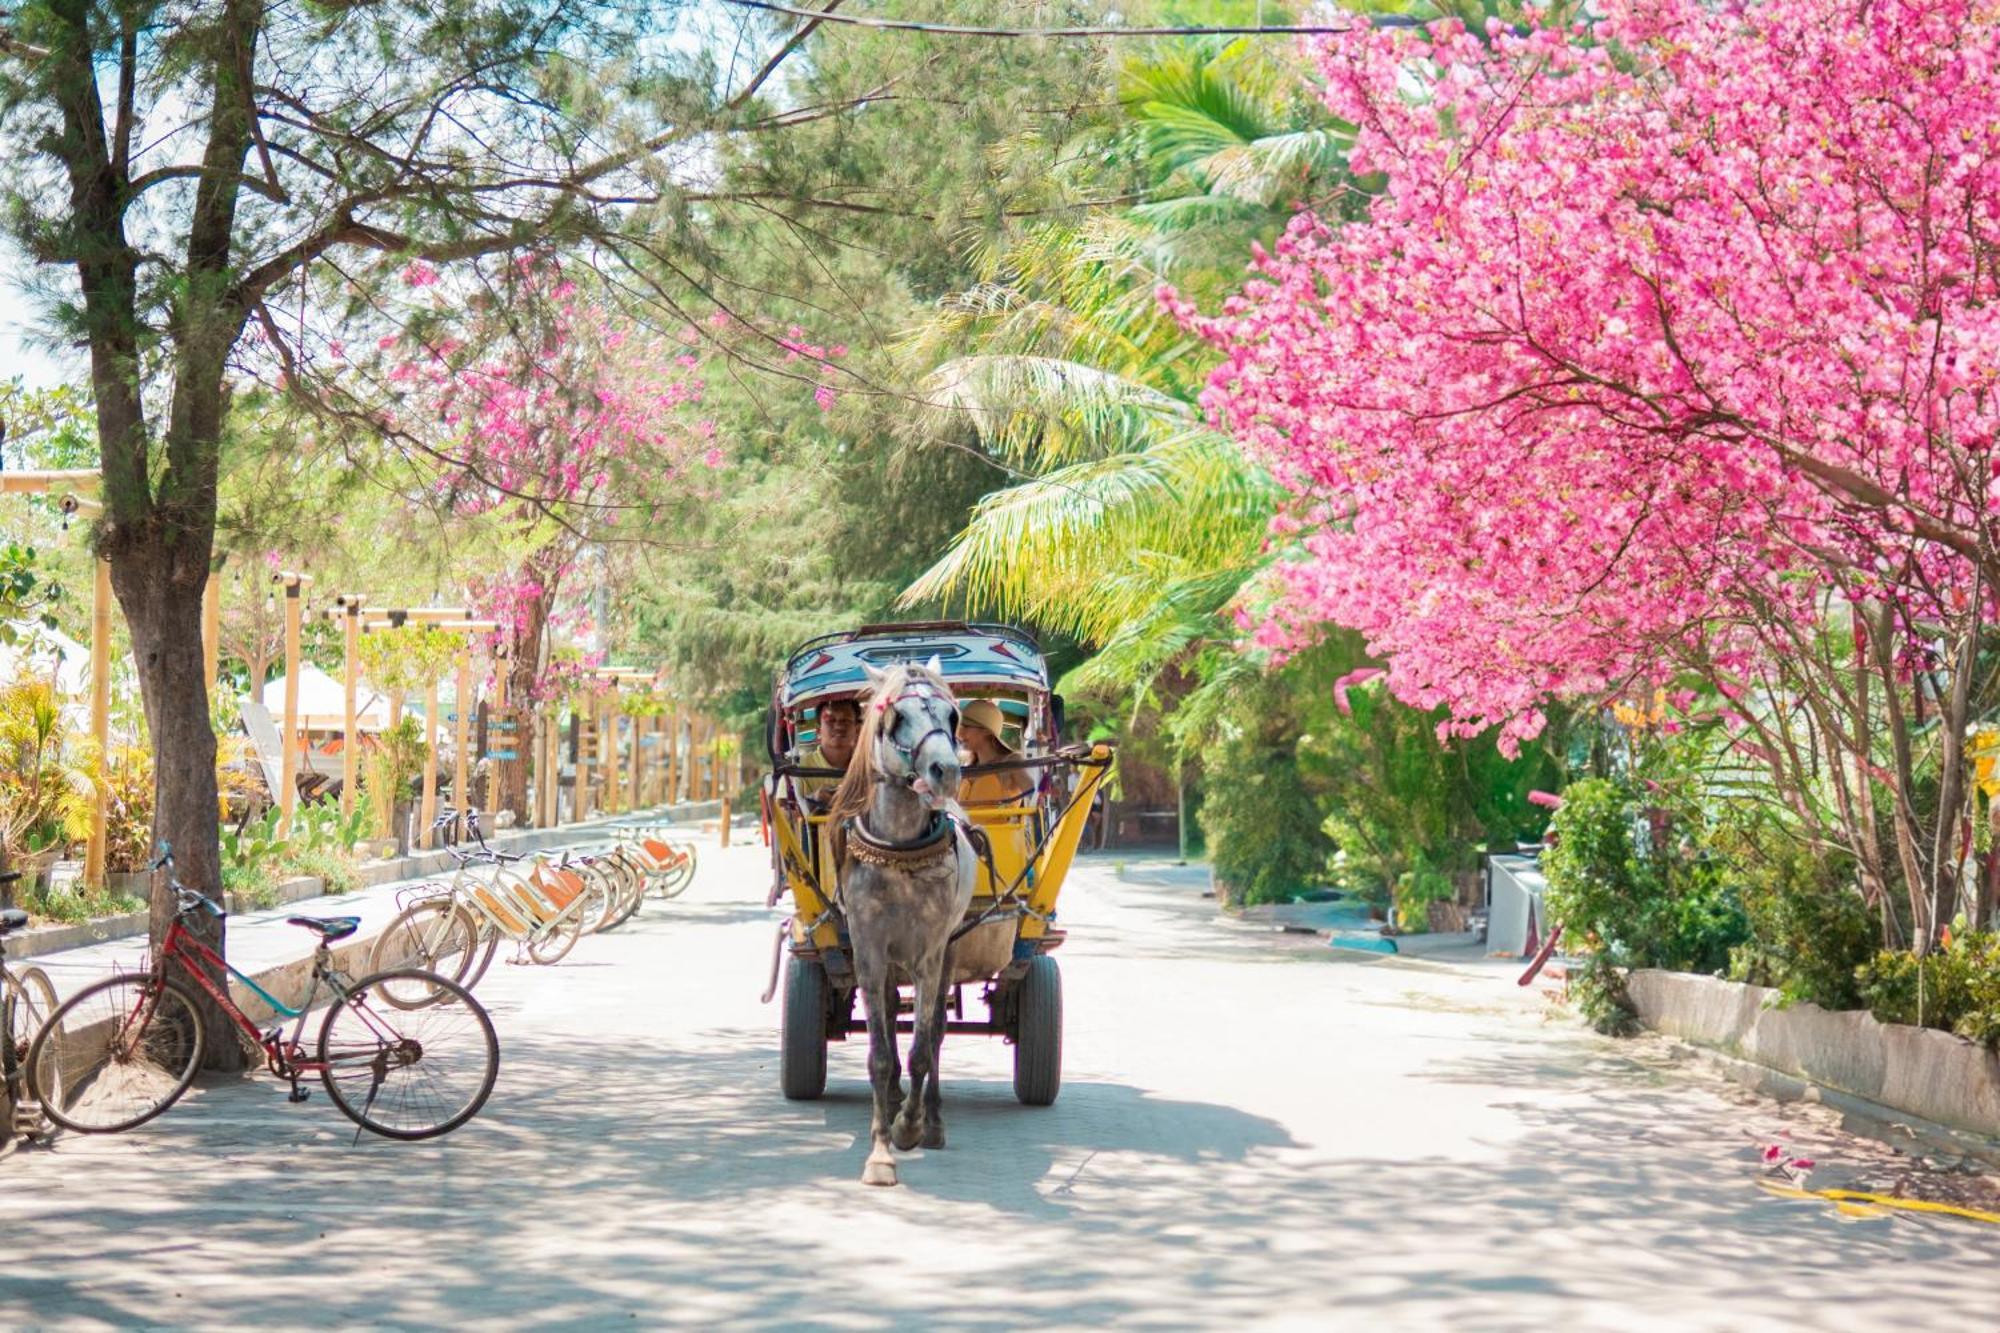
x=559, y=427
x=1668, y=342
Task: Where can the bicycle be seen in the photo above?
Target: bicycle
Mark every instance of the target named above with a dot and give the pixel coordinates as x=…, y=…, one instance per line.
x=27, y=999
x=544, y=912
x=121, y=1051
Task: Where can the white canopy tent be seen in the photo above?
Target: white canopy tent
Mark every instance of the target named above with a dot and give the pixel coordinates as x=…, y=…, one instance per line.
x=323, y=703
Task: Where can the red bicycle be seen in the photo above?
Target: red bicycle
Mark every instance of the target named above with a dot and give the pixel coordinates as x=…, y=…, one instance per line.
x=120, y=1052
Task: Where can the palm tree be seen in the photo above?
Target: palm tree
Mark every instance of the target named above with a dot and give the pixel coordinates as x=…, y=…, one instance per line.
x=1134, y=525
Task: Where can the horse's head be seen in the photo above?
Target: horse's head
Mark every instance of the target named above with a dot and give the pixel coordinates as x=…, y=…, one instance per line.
x=909, y=730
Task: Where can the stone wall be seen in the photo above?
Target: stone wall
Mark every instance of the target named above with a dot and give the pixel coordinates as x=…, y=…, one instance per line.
x=1919, y=1071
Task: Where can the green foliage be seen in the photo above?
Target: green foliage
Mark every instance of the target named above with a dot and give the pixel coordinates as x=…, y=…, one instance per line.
x=25, y=590
x=1955, y=988
x=128, y=820
x=47, y=772
x=1261, y=817
x=1406, y=813
x=1415, y=891
x=1809, y=928
x=256, y=860
x=74, y=901
x=406, y=660
x=1639, y=902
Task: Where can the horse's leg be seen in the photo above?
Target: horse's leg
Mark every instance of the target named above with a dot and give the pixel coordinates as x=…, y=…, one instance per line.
x=880, y=1168
x=933, y=1094
x=909, y=1126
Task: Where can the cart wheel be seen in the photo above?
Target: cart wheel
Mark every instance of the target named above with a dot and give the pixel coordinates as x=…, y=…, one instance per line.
x=802, y=1063
x=1038, y=1034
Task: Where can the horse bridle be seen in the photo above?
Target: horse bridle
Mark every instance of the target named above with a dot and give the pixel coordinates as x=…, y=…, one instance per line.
x=921, y=689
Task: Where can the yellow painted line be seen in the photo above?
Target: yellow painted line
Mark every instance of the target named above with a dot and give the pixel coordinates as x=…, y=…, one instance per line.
x=1848, y=1199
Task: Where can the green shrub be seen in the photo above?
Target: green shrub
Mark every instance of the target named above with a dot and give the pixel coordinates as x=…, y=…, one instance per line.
x=1631, y=906
x=1662, y=908
x=1262, y=823
x=1415, y=893
x=1955, y=988
x=1810, y=930
x=253, y=881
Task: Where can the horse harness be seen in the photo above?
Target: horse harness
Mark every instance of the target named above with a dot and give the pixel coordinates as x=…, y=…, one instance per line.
x=933, y=844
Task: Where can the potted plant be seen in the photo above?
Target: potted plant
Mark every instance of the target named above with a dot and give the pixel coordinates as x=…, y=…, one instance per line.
x=47, y=779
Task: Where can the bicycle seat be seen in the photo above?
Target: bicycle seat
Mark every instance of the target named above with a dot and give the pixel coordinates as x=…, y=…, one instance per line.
x=12, y=919
x=328, y=927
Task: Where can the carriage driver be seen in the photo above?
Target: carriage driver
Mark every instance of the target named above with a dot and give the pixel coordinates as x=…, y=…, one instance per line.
x=839, y=727
x=979, y=731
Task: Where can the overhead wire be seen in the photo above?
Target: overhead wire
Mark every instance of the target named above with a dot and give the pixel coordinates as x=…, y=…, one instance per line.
x=1113, y=30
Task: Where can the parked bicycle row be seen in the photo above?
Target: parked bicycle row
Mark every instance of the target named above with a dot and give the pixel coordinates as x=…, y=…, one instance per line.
x=406, y=1051
x=542, y=903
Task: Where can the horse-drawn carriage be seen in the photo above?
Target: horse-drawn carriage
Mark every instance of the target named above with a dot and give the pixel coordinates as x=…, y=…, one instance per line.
x=1001, y=947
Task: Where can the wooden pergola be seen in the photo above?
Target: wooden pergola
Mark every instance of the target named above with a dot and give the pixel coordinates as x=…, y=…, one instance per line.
x=79, y=488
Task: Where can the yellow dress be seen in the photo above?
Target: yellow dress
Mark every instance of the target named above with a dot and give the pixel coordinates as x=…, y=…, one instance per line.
x=993, y=788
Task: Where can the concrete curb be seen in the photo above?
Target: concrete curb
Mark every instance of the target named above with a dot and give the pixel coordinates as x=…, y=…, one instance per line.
x=45, y=940
x=1913, y=1071
x=1876, y=1120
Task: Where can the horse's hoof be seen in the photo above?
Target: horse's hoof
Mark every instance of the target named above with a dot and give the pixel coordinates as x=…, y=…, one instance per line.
x=879, y=1173
x=934, y=1136
x=904, y=1134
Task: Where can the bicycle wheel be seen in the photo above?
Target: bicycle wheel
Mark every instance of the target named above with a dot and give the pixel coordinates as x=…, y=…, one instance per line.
x=30, y=1000
x=596, y=900
x=116, y=1054
x=436, y=935
x=613, y=889
x=682, y=873
x=553, y=943
x=631, y=884
x=408, y=1073
x=482, y=955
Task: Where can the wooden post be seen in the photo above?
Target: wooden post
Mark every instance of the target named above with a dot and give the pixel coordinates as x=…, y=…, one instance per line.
x=552, y=760
x=461, y=773
x=607, y=747
x=726, y=788
x=350, y=738
x=211, y=627
x=499, y=705
x=288, y=779
x=100, y=718
x=579, y=806
x=430, y=792
x=674, y=757
x=637, y=797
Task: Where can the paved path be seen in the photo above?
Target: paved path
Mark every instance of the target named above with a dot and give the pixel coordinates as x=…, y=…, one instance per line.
x=1249, y=1132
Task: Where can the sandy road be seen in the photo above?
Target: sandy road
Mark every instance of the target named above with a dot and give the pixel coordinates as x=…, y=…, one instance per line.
x=1247, y=1133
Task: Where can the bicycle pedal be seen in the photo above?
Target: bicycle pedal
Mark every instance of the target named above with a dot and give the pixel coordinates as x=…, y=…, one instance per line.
x=298, y=1094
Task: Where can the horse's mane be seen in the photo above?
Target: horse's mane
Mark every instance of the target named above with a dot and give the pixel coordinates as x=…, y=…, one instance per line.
x=856, y=788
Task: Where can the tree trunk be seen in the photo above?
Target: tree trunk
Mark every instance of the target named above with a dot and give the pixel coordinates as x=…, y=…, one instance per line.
x=159, y=581
x=524, y=666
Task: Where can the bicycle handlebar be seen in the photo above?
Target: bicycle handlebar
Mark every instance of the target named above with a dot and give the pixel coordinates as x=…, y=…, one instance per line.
x=189, y=900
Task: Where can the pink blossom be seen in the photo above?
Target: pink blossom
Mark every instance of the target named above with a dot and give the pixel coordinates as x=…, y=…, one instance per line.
x=1632, y=356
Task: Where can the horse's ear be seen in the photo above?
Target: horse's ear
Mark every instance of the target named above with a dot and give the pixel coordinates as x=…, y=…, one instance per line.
x=934, y=666
x=875, y=677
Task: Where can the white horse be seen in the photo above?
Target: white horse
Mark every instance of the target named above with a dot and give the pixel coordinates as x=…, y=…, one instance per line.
x=906, y=879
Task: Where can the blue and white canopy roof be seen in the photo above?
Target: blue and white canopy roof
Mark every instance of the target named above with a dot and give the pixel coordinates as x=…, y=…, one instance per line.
x=993, y=656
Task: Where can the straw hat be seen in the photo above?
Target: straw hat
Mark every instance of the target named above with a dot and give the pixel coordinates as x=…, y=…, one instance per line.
x=985, y=713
